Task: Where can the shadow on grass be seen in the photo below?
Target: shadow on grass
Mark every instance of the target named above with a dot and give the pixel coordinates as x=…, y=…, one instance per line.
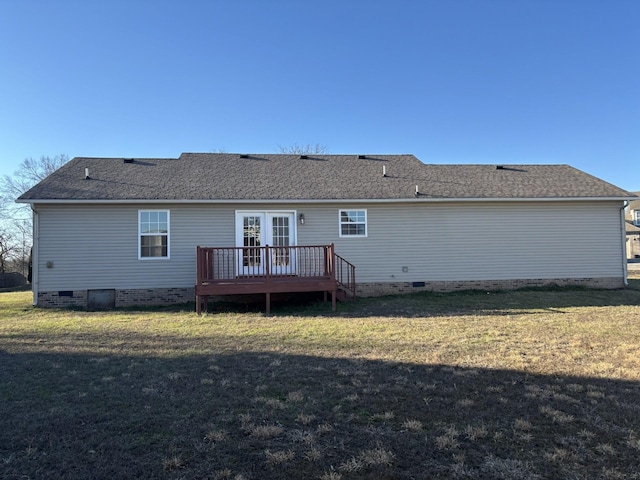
x=270, y=416
x=21, y=288
x=425, y=304
x=470, y=302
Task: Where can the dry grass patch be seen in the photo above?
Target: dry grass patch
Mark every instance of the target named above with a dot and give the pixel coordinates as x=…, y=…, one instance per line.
x=331, y=476
x=385, y=416
x=447, y=442
x=314, y=454
x=531, y=384
x=305, y=419
x=557, y=416
x=412, y=425
x=376, y=457
x=324, y=428
x=265, y=431
x=295, y=397
x=476, y=432
x=216, y=435
x=278, y=457
x=507, y=468
x=173, y=463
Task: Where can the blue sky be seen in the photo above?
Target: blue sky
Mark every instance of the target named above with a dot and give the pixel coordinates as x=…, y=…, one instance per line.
x=451, y=81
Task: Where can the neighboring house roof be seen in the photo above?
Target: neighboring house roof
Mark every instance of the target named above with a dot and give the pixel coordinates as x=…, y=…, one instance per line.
x=631, y=228
x=634, y=204
x=280, y=177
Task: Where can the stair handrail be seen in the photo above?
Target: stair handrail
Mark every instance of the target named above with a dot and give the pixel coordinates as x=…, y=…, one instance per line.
x=345, y=274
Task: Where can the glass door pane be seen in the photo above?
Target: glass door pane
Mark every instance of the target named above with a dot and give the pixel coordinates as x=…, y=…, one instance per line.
x=281, y=237
x=252, y=237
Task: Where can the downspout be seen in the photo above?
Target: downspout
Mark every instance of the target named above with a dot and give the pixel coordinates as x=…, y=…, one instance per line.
x=625, y=278
x=35, y=255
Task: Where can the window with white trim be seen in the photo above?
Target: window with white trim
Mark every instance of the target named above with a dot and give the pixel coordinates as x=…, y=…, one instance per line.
x=153, y=234
x=353, y=223
x=636, y=217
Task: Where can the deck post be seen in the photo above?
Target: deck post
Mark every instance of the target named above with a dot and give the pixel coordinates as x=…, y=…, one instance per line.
x=331, y=259
x=198, y=269
x=326, y=260
x=332, y=273
x=267, y=271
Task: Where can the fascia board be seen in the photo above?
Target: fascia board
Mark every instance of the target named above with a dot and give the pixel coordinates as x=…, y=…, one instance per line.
x=317, y=201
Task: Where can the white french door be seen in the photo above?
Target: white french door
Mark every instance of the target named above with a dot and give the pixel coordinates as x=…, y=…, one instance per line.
x=258, y=229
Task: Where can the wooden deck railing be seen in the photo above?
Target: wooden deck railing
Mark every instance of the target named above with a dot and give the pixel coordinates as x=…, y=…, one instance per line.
x=239, y=264
x=238, y=270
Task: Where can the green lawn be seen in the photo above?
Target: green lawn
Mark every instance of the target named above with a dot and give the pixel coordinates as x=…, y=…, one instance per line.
x=510, y=385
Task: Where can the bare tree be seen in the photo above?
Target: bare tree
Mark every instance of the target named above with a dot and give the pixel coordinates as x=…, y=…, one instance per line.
x=15, y=219
x=22, y=241
x=30, y=172
x=8, y=250
x=308, y=149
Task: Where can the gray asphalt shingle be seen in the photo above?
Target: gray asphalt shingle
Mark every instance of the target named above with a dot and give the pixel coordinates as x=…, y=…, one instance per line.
x=217, y=176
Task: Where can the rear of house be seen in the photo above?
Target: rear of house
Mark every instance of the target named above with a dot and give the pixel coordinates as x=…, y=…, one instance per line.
x=128, y=229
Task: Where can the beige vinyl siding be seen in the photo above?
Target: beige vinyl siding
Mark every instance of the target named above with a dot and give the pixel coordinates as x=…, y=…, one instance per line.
x=96, y=246
x=477, y=241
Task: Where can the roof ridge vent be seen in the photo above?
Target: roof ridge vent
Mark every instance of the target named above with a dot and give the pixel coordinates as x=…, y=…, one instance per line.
x=128, y=160
x=362, y=157
x=304, y=157
x=499, y=167
x=244, y=155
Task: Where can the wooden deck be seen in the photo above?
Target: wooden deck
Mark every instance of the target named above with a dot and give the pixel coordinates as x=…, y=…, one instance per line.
x=251, y=270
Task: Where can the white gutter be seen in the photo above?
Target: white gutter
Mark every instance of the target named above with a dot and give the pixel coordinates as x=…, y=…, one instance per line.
x=625, y=273
x=35, y=248
x=328, y=200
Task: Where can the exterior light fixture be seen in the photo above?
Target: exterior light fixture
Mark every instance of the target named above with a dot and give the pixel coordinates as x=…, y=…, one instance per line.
x=301, y=218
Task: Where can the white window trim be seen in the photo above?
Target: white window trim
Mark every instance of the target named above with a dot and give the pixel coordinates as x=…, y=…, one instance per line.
x=366, y=222
x=635, y=218
x=168, y=257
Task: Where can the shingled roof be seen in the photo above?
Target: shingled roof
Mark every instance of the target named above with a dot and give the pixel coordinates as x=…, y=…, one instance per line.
x=279, y=177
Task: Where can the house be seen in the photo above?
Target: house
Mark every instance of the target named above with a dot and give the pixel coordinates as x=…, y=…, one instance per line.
x=127, y=231
x=632, y=219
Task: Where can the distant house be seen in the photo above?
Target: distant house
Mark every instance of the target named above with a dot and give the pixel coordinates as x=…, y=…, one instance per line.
x=632, y=220
x=128, y=229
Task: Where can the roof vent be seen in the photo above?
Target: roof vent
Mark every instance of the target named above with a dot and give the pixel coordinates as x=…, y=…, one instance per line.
x=361, y=157
x=499, y=167
x=384, y=170
x=244, y=155
x=128, y=160
x=86, y=174
x=304, y=157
